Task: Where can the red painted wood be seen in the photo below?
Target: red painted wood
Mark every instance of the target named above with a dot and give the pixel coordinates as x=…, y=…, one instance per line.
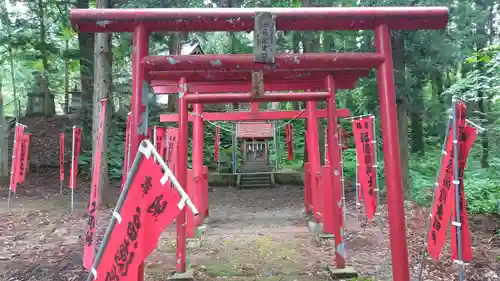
x=141, y=49
x=392, y=168
x=244, y=62
x=165, y=82
x=182, y=166
x=242, y=19
x=246, y=76
x=254, y=130
x=313, y=158
x=167, y=87
x=268, y=97
x=333, y=194
x=249, y=116
x=307, y=188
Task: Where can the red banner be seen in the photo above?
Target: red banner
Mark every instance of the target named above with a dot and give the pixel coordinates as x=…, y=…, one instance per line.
x=61, y=156
x=16, y=157
x=89, y=245
x=441, y=208
x=126, y=157
x=148, y=209
x=365, y=153
x=217, y=143
x=77, y=140
x=23, y=167
x=172, y=141
x=289, y=140
x=467, y=137
x=159, y=139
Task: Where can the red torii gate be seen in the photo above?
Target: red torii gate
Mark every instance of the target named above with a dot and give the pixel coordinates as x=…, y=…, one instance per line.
x=316, y=192
x=144, y=21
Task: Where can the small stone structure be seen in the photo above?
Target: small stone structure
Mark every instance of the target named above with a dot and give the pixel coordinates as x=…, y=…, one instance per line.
x=36, y=97
x=75, y=104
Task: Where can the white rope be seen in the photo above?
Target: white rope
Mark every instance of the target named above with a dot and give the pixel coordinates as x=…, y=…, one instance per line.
x=233, y=132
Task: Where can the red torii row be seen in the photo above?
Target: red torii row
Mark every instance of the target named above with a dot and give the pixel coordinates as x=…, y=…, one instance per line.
x=382, y=20
x=212, y=82
x=253, y=116
x=166, y=82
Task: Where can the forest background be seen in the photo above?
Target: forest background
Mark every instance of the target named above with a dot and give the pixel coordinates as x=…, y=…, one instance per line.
x=430, y=67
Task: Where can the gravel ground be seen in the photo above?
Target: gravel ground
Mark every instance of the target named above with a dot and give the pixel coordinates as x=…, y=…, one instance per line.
x=257, y=234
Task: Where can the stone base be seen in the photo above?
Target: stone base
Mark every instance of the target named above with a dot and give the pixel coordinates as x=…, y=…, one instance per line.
x=324, y=239
x=201, y=229
x=185, y=276
x=307, y=216
x=341, y=273
x=193, y=243
x=317, y=230
x=314, y=227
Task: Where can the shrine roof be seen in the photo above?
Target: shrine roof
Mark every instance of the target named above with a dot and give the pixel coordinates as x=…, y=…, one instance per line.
x=242, y=19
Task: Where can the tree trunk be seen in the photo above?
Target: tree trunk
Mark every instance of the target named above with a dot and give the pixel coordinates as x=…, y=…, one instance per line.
x=482, y=103
x=102, y=86
x=174, y=47
x=402, y=108
x=417, y=129
x=4, y=126
x=438, y=86
x=49, y=106
x=296, y=39
x=86, y=43
x=4, y=139
x=66, y=77
x=6, y=22
x=438, y=80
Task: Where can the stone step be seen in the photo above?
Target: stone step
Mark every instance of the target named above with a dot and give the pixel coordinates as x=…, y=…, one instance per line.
x=255, y=180
x=263, y=181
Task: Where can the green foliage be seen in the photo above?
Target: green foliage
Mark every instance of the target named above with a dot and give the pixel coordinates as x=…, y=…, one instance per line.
x=437, y=65
x=481, y=186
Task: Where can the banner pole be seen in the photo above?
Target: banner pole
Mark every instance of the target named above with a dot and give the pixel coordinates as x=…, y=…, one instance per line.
x=61, y=161
x=352, y=118
x=11, y=173
x=8, y=202
x=375, y=169
x=427, y=227
x=234, y=143
x=342, y=180
x=456, y=184
x=358, y=204
x=481, y=129
x=129, y=145
x=172, y=178
x=72, y=172
x=119, y=204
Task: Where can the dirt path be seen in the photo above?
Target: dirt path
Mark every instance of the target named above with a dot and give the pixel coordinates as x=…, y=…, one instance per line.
x=255, y=234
